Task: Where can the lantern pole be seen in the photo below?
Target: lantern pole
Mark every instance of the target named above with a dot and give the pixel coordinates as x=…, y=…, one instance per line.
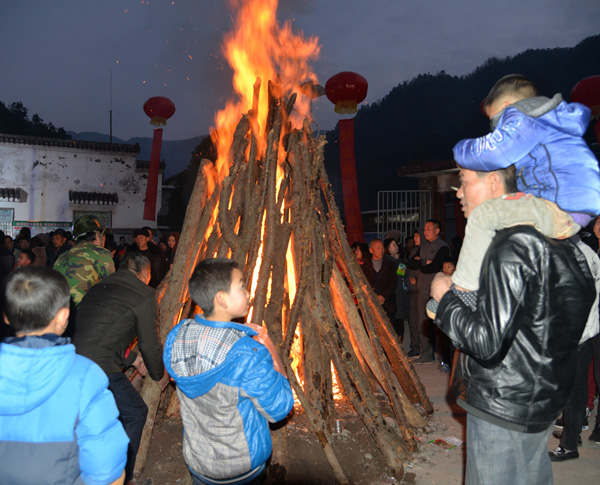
x=352, y=212
x=346, y=90
x=159, y=109
x=153, y=171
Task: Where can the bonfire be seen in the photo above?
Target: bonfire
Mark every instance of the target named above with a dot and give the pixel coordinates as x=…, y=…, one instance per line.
x=266, y=202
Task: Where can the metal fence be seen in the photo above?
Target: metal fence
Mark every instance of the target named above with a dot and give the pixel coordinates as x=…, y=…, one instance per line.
x=402, y=210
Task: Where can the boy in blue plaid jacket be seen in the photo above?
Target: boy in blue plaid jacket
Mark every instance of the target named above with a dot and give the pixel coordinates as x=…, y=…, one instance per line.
x=227, y=384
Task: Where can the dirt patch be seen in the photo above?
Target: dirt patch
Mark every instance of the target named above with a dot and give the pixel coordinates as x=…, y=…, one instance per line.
x=304, y=461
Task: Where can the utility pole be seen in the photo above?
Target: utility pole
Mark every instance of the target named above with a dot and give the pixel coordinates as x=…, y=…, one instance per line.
x=111, y=106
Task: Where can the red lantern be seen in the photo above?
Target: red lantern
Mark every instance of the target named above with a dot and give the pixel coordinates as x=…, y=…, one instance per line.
x=346, y=90
x=159, y=110
x=481, y=107
x=587, y=92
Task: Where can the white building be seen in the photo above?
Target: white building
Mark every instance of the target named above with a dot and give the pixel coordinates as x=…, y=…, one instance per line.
x=47, y=183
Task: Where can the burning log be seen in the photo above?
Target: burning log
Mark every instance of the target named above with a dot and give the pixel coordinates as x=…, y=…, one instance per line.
x=270, y=207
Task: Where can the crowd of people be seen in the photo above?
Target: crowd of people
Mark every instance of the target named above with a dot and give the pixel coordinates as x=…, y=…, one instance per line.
x=111, y=318
x=400, y=272
x=44, y=249
x=515, y=308
x=511, y=310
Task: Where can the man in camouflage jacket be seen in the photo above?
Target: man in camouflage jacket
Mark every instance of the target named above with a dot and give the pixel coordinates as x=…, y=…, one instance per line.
x=87, y=262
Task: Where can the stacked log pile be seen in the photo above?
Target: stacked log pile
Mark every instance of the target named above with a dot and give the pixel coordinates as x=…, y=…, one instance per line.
x=272, y=200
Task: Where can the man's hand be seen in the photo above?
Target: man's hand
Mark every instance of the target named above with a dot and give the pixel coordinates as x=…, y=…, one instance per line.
x=413, y=281
x=164, y=382
x=138, y=363
x=381, y=299
x=440, y=285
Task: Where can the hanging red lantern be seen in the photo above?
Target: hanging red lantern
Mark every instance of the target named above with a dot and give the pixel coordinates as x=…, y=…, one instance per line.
x=587, y=92
x=159, y=110
x=345, y=90
x=481, y=107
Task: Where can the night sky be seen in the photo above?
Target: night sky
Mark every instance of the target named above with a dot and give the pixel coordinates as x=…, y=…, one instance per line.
x=57, y=55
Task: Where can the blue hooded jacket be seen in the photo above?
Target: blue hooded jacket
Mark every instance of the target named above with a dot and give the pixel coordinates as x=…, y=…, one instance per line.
x=58, y=420
x=228, y=390
x=543, y=138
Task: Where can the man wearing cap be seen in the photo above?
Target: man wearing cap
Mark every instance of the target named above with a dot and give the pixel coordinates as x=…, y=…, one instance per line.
x=158, y=262
x=87, y=262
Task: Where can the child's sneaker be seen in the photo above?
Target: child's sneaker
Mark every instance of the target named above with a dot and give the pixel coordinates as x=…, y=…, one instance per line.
x=469, y=298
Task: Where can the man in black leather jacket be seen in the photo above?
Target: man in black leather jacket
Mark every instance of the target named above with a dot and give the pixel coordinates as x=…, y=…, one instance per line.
x=514, y=372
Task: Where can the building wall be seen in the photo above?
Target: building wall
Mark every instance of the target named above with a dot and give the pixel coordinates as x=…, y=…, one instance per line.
x=46, y=174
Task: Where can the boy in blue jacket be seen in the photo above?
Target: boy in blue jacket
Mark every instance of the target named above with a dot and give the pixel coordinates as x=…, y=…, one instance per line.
x=227, y=384
x=556, y=173
x=58, y=420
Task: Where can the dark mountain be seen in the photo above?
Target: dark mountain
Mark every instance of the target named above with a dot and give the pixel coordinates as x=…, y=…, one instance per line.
x=418, y=121
x=14, y=120
x=176, y=154
x=421, y=120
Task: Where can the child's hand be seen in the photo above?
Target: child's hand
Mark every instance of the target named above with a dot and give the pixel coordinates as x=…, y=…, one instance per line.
x=440, y=285
x=263, y=338
x=138, y=363
x=164, y=382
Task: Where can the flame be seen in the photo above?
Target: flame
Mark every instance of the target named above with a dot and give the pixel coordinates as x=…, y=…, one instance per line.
x=259, y=48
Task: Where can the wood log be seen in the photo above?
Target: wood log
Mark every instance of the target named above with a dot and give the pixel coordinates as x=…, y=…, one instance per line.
x=233, y=203
x=408, y=379
x=318, y=426
x=349, y=372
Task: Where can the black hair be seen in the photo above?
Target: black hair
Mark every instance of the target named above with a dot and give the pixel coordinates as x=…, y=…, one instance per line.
x=209, y=277
x=21, y=238
x=515, y=85
x=363, y=248
x=507, y=175
x=88, y=236
x=30, y=254
x=33, y=295
x=386, y=244
x=135, y=262
x=435, y=222
x=36, y=242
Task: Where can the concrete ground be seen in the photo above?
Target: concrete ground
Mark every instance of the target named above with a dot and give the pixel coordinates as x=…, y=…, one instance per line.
x=434, y=465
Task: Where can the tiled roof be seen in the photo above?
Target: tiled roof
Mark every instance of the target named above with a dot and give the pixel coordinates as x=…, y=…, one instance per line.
x=65, y=143
x=10, y=194
x=99, y=198
x=145, y=165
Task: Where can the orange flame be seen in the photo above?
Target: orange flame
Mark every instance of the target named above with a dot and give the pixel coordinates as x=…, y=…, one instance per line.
x=259, y=47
